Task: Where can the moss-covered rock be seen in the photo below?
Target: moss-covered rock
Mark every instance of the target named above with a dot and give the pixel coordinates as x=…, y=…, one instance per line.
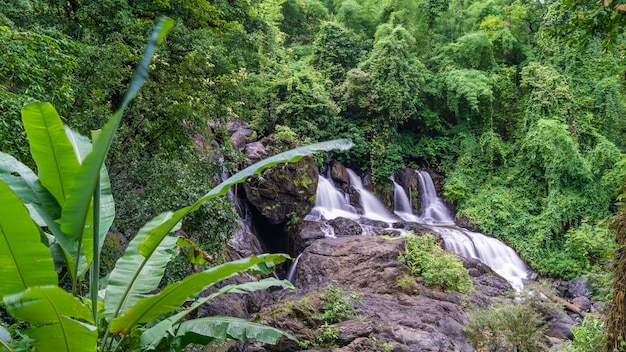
x=284, y=191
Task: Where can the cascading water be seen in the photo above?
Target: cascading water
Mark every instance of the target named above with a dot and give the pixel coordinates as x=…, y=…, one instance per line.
x=401, y=204
x=434, y=211
x=332, y=203
x=373, y=208
x=291, y=274
x=492, y=252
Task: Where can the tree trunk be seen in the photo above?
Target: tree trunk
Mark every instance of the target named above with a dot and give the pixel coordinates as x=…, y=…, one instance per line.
x=616, y=324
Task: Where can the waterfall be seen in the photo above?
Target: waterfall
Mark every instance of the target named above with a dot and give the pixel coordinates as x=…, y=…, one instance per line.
x=332, y=203
x=434, y=211
x=291, y=274
x=373, y=208
x=498, y=256
x=401, y=204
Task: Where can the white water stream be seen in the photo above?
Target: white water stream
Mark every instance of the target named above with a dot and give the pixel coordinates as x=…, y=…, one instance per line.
x=332, y=203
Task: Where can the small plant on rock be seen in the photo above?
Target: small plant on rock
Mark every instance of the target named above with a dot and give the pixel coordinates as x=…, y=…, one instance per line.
x=438, y=268
x=337, y=304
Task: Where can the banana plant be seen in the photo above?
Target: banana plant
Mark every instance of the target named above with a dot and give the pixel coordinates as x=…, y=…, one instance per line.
x=58, y=219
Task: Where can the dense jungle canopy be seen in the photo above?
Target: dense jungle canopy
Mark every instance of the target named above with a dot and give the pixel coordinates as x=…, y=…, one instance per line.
x=518, y=103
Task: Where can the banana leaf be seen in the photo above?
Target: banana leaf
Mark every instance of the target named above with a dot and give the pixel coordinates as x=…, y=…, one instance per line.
x=204, y=330
x=134, y=275
x=50, y=148
x=75, y=213
x=174, y=295
x=151, y=338
x=59, y=321
x=82, y=147
x=24, y=260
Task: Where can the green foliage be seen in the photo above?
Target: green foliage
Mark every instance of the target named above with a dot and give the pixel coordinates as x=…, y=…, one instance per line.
x=583, y=23
x=337, y=50
x=396, y=75
x=589, y=245
x=60, y=320
x=512, y=326
x=472, y=51
x=299, y=100
x=34, y=67
x=548, y=93
x=302, y=19
x=326, y=336
x=285, y=137
x=467, y=93
x=337, y=304
x=589, y=336
x=438, y=268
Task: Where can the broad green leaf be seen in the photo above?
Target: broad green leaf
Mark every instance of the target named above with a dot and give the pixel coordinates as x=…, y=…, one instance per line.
x=56, y=162
x=156, y=235
x=82, y=146
x=151, y=338
x=134, y=275
x=64, y=319
x=205, y=330
x=24, y=260
x=75, y=212
x=26, y=185
x=174, y=295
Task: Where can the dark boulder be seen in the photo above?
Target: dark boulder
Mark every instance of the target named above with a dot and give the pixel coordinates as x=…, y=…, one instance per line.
x=338, y=172
x=345, y=227
x=285, y=191
x=302, y=234
x=578, y=288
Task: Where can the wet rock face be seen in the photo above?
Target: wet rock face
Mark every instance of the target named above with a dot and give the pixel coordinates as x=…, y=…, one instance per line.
x=345, y=227
x=355, y=262
x=284, y=191
x=302, y=234
x=392, y=315
x=339, y=173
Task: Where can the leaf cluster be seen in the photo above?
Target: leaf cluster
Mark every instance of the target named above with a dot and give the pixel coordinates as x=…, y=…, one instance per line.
x=438, y=268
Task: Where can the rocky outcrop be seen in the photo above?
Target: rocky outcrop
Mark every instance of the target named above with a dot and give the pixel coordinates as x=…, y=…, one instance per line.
x=284, y=191
x=338, y=172
x=395, y=312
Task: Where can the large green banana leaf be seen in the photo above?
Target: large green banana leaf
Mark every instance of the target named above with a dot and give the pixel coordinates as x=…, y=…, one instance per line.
x=24, y=260
x=23, y=181
x=51, y=149
x=134, y=275
x=174, y=295
x=75, y=213
x=151, y=338
x=203, y=331
x=82, y=147
x=59, y=321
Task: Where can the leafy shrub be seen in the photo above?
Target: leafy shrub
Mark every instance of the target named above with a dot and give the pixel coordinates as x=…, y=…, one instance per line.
x=438, y=267
x=588, y=336
x=599, y=283
x=73, y=184
x=337, y=304
x=514, y=326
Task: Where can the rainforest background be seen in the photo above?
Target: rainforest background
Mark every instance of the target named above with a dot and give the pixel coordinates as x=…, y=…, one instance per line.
x=519, y=106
